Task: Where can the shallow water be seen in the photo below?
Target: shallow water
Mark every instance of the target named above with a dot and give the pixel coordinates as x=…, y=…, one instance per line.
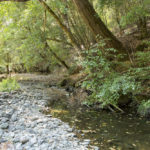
x=106, y=130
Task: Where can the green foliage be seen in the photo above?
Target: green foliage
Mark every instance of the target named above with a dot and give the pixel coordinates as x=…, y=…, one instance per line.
x=8, y=85
x=138, y=9
x=144, y=108
x=24, y=34
x=143, y=58
x=106, y=84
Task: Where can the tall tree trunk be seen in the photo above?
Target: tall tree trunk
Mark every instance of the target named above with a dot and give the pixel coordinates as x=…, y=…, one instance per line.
x=7, y=69
x=96, y=25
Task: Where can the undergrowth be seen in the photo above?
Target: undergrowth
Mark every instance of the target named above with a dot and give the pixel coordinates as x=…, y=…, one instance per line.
x=144, y=108
x=8, y=85
x=107, y=84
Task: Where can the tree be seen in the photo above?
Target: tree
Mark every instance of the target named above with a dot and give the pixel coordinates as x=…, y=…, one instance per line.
x=96, y=25
x=24, y=36
x=92, y=19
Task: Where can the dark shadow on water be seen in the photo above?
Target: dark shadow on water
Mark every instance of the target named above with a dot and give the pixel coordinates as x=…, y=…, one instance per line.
x=106, y=130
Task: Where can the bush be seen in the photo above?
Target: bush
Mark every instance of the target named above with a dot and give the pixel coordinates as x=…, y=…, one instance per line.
x=8, y=85
x=107, y=84
x=144, y=108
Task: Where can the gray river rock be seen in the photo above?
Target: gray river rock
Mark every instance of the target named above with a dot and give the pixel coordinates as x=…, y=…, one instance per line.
x=24, y=127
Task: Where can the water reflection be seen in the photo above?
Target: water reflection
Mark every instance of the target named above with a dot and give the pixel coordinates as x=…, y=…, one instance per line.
x=106, y=130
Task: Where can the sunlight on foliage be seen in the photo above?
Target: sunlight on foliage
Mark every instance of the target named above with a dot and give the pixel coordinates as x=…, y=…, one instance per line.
x=8, y=85
x=106, y=84
x=144, y=108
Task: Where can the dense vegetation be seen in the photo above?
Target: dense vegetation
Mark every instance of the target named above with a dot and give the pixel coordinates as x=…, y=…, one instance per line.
x=109, y=38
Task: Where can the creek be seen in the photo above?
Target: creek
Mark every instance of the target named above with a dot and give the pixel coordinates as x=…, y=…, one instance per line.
x=107, y=130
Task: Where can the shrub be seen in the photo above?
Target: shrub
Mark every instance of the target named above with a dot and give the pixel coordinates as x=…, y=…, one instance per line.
x=107, y=84
x=144, y=108
x=8, y=85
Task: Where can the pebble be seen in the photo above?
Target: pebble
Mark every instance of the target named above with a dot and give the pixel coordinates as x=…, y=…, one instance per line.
x=24, y=140
x=4, y=126
x=22, y=124
x=14, y=118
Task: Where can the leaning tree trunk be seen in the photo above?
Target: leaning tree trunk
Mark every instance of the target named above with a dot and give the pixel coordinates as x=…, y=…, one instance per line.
x=96, y=25
x=63, y=27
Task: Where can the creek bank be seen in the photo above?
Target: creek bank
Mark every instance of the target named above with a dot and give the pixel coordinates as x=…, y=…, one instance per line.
x=78, y=96
x=23, y=126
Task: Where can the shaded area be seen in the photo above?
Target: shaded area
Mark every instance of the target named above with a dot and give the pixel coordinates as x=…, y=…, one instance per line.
x=107, y=130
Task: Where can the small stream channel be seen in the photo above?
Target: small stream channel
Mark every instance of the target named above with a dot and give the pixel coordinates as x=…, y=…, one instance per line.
x=106, y=130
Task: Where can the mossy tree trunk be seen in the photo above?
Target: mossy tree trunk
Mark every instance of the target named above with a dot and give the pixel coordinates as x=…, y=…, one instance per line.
x=96, y=25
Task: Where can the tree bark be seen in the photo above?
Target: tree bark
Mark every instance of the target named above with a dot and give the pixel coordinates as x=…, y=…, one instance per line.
x=96, y=25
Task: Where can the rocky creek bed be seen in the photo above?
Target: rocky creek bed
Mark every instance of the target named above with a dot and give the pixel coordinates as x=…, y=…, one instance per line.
x=23, y=126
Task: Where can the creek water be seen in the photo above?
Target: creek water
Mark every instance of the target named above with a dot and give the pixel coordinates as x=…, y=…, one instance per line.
x=106, y=130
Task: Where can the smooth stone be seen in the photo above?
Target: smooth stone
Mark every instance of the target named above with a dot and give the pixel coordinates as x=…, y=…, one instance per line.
x=18, y=146
x=14, y=117
x=10, y=112
x=44, y=146
x=7, y=115
x=24, y=140
x=4, y=120
x=4, y=126
x=31, y=131
x=3, y=140
x=27, y=147
x=16, y=140
x=12, y=134
x=34, y=118
x=33, y=140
